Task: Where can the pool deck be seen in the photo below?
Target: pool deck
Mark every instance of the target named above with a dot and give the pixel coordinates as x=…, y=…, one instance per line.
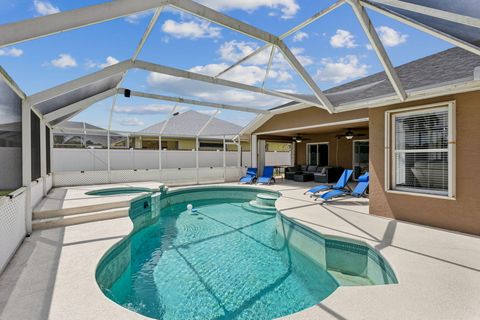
x=52, y=276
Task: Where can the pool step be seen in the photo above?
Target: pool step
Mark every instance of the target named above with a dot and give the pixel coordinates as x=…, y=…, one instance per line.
x=252, y=206
x=39, y=213
x=78, y=218
x=265, y=199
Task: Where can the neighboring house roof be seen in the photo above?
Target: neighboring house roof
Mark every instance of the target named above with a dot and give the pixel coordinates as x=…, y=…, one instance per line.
x=449, y=66
x=79, y=125
x=191, y=122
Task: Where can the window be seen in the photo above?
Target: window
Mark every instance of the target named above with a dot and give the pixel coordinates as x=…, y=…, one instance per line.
x=211, y=146
x=421, y=144
x=317, y=154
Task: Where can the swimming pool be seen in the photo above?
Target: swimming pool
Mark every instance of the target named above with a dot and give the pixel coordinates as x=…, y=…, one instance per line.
x=227, y=261
x=117, y=191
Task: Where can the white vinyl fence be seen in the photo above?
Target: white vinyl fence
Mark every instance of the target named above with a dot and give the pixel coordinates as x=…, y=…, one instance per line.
x=65, y=160
x=12, y=226
x=90, y=166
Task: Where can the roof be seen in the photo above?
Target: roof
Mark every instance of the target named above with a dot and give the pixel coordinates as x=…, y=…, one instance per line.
x=191, y=122
x=80, y=125
x=452, y=65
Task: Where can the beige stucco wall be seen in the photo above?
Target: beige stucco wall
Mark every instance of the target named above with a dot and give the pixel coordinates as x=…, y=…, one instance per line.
x=308, y=117
x=462, y=214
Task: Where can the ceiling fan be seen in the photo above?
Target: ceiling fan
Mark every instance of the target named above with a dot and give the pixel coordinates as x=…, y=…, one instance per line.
x=298, y=138
x=349, y=135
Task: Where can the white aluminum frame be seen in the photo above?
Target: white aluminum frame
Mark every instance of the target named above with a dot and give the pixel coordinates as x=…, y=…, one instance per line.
x=390, y=150
x=377, y=45
x=47, y=25
x=300, y=26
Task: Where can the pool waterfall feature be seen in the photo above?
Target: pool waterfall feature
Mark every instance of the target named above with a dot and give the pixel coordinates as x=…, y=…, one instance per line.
x=311, y=257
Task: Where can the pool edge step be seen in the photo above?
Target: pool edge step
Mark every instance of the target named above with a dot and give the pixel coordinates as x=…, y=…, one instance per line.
x=44, y=214
x=73, y=219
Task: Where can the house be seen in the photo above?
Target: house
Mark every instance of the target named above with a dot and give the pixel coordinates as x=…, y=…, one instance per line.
x=421, y=153
x=180, y=131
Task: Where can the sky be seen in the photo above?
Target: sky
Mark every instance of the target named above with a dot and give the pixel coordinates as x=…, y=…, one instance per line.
x=334, y=50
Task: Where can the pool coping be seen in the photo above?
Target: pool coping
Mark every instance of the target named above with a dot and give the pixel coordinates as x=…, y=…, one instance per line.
x=419, y=256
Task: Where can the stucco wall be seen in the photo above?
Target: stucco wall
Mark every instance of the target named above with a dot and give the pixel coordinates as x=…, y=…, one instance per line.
x=462, y=214
x=308, y=117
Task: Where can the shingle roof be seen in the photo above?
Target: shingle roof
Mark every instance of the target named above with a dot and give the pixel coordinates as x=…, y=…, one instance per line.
x=79, y=125
x=448, y=66
x=190, y=122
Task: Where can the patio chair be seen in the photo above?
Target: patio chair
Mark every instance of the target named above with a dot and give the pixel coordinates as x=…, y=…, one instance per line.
x=267, y=176
x=250, y=177
x=358, y=191
x=340, y=185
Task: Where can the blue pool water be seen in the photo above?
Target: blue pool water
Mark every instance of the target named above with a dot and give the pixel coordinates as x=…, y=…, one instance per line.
x=226, y=262
x=117, y=191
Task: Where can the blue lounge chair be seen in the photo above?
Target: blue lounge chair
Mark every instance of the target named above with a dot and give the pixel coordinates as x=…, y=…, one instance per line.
x=358, y=191
x=267, y=176
x=250, y=177
x=340, y=185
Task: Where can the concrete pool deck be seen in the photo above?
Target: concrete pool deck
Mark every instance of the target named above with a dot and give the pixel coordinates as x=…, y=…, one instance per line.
x=52, y=276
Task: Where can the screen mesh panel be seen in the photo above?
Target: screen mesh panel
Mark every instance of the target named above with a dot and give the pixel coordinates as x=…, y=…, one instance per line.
x=464, y=7
x=10, y=138
x=49, y=149
x=35, y=149
x=79, y=94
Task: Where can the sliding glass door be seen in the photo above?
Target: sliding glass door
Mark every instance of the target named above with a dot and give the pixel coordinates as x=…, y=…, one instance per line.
x=317, y=154
x=360, y=157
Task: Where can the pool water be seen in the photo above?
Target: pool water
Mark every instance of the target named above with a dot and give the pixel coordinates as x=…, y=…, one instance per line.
x=117, y=191
x=224, y=263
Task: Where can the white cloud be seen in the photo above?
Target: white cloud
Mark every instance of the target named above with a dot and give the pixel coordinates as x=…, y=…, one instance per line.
x=300, y=36
x=64, y=61
x=232, y=51
x=391, y=37
x=109, y=61
x=45, y=8
x=11, y=52
x=190, y=29
x=148, y=109
x=304, y=60
x=369, y=46
x=346, y=68
x=250, y=75
x=136, y=17
x=288, y=7
x=343, y=39
x=131, y=122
